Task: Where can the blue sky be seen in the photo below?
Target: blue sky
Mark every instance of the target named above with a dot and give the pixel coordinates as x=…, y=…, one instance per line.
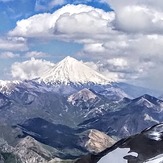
x=121, y=39
x=12, y=11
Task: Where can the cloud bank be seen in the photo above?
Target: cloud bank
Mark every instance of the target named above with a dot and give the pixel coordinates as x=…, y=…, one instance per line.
x=30, y=69
x=13, y=44
x=127, y=41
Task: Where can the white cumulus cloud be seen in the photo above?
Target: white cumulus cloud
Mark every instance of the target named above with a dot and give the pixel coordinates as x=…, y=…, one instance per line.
x=128, y=41
x=35, y=54
x=138, y=15
x=71, y=21
x=13, y=44
x=30, y=69
x=8, y=55
x=139, y=19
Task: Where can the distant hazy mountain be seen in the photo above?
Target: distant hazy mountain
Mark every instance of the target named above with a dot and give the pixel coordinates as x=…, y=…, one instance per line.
x=135, y=91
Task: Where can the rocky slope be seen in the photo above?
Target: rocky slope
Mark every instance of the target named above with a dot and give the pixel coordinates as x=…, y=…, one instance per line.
x=146, y=147
x=28, y=150
x=130, y=117
x=68, y=142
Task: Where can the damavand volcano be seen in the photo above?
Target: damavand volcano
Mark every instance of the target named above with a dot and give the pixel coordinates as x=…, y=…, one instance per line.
x=70, y=70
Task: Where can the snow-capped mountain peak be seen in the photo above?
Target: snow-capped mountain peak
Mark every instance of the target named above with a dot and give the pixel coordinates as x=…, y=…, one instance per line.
x=70, y=70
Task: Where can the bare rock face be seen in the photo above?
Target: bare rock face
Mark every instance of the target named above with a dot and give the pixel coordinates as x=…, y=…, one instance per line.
x=31, y=151
x=84, y=95
x=28, y=150
x=98, y=141
x=4, y=147
x=7, y=153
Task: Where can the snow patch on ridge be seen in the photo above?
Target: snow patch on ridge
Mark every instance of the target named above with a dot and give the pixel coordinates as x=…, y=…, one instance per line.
x=117, y=156
x=149, y=118
x=7, y=86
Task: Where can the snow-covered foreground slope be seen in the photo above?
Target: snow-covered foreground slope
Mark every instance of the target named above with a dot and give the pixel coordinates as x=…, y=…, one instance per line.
x=146, y=147
x=117, y=156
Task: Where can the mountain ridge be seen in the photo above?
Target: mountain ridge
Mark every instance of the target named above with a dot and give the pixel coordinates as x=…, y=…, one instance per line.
x=133, y=149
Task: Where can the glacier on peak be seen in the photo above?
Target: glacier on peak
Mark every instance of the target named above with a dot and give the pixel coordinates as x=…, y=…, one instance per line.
x=70, y=70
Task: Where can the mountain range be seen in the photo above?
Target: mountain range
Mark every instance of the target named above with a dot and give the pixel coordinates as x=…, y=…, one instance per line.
x=71, y=111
